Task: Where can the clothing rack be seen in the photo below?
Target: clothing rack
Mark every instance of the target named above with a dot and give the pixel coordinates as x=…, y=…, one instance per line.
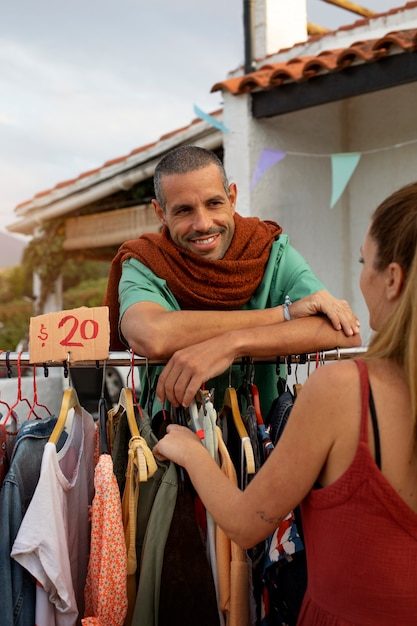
x=124, y=358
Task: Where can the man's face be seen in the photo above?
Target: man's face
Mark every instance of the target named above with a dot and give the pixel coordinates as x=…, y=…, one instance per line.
x=198, y=213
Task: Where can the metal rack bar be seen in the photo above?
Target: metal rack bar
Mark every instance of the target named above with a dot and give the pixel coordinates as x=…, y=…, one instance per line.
x=125, y=358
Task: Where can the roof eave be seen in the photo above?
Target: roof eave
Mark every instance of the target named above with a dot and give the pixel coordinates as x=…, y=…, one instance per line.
x=100, y=184
x=356, y=80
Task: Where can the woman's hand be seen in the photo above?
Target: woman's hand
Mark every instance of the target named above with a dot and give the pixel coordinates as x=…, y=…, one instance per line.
x=338, y=311
x=177, y=445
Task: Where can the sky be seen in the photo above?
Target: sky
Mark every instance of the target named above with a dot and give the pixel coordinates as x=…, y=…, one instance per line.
x=86, y=81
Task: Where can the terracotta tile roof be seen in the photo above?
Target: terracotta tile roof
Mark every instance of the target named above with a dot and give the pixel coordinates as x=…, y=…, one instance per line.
x=303, y=68
x=112, y=162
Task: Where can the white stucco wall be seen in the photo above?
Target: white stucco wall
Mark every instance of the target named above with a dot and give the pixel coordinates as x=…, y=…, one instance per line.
x=296, y=192
x=278, y=24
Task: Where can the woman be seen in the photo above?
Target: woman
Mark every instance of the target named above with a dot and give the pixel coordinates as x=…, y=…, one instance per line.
x=353, y=469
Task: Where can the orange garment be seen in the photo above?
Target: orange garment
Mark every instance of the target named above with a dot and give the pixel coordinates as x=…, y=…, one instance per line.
x=232, y=563
x=105, y=591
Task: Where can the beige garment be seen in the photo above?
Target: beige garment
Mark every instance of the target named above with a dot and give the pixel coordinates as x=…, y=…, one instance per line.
x=141, y=465
x=232, y=563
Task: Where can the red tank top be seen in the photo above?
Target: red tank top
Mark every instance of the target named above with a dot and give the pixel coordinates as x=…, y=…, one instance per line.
x=361, y=545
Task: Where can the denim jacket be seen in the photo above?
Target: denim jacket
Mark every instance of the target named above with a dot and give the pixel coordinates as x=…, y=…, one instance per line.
x=18, y=587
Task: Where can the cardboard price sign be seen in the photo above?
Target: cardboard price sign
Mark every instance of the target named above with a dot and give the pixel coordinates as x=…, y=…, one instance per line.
x=81, y=334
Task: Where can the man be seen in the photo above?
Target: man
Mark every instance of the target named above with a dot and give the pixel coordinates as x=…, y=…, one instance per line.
x=211, y=275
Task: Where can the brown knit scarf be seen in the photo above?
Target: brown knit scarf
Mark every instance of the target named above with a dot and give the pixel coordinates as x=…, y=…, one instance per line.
x=198, y=283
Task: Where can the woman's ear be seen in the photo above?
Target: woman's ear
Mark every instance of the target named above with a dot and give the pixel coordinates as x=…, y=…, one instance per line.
x=394, y=281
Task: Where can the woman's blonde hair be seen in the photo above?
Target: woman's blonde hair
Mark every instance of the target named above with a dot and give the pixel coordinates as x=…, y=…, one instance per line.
x=393, y=228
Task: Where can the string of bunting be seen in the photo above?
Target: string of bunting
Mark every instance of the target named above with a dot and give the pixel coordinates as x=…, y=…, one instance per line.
x=343, y=164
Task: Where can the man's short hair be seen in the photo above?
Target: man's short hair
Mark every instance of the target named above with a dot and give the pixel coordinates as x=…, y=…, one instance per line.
x=182, y=160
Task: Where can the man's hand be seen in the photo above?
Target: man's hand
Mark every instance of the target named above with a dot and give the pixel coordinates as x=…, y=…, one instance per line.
x=338, y=311
x=188, y=369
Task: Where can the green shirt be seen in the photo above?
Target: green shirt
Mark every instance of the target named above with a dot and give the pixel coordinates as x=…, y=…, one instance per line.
x=286, y=273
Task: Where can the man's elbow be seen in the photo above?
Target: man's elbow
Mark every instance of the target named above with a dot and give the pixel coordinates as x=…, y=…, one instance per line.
x=150, y=346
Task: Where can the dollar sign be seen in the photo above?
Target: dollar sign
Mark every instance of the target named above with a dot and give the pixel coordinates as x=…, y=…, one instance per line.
x=43, y=335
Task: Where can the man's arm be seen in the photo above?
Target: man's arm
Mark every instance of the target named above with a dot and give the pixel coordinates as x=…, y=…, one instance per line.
x=189, y=368
x=156, y=333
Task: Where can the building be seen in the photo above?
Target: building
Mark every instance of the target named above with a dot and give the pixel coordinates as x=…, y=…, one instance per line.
x=315, y=135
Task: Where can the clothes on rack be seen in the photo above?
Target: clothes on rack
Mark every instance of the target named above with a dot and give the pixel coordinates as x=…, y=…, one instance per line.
x=105, y=589
x=9, y=426
x=233, y=564
x=152, y=556
x=284, y=565
x=17, y=598
x=143, y=566
x=154, y=513
x=53, y=540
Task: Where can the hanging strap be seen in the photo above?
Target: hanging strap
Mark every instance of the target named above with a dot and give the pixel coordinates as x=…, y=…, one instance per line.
x=375, y=428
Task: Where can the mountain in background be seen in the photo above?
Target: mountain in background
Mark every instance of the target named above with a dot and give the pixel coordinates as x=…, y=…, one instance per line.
x=11, y=250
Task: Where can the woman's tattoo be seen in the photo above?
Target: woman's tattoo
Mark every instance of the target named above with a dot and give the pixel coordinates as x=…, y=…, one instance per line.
x=269, y=520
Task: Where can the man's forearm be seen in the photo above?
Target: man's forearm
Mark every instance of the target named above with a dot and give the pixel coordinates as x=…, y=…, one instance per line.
x=190, y=367
x=299, y=336
x=153, y=332
x=157, y=333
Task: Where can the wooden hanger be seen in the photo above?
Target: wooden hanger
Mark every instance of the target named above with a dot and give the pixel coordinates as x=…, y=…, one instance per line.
x=230, y=403
x=297, y=386
x=126, y=404
x=69, y=401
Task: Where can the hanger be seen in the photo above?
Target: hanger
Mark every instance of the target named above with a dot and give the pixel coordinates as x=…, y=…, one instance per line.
x=3, y=401
x=35, y=402
x=20, y=398
x=297, y=386
x=102, y=416
x=69, y=401
x=133, y=387
x=264, y=437
x=230, y=403
x=126, y=404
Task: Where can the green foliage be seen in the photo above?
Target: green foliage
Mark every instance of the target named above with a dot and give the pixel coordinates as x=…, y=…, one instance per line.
x=76, y=271
x=84, y=283
x=14, y=323
x=14, y=283
x=45, y=255
x=88, y=293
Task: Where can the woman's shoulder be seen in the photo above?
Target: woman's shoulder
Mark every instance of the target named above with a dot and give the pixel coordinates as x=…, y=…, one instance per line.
x=333, y=378
x=336, y=371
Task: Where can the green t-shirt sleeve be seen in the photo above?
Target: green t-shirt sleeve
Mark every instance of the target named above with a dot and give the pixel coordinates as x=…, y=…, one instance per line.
x=139, y=284
x=296, y=275
x=287, y=273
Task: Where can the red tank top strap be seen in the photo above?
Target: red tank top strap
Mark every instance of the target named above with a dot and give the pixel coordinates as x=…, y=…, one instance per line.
x=364, y=383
